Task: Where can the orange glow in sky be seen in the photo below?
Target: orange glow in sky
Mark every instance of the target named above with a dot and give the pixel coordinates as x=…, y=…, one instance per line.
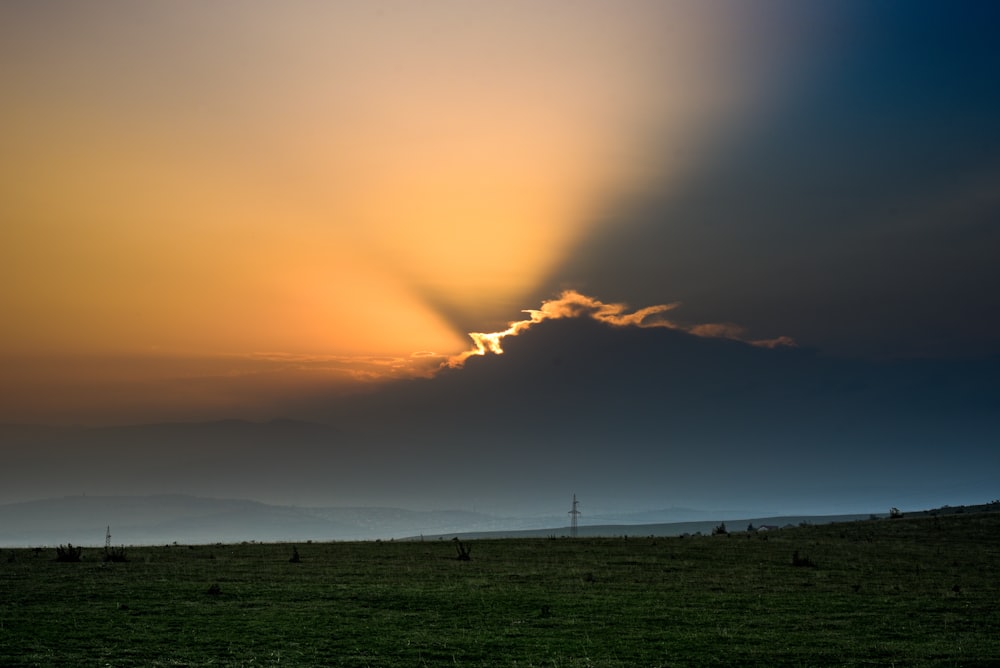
x=220, y=180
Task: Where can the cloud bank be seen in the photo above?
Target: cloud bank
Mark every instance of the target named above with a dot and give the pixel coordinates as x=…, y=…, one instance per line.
x=625, y=416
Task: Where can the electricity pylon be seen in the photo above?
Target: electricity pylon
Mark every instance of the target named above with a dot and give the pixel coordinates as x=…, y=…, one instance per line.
x=573, y=514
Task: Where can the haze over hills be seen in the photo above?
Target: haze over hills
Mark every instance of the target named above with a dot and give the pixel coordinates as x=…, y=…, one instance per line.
x=164, y=519
x=159, y=519
x=630, y=418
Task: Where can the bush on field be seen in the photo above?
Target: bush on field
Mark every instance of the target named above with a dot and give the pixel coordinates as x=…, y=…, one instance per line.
x=464, y=551
x=114, y=554
x=68, y=553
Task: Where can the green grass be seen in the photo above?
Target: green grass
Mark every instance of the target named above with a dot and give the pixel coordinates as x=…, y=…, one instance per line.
x=882, y=593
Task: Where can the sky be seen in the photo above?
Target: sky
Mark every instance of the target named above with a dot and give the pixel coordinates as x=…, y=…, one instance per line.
x=276, y=210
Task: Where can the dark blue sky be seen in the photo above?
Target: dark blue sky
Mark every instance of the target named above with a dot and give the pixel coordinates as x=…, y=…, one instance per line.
x=859, y=213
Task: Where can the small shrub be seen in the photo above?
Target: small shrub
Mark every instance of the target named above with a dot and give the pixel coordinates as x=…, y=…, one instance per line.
x=463, y=550
x=69, y=554
x=720, y=530
x=214, y=589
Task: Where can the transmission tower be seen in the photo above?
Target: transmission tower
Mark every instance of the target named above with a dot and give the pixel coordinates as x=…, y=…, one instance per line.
x=573, y=515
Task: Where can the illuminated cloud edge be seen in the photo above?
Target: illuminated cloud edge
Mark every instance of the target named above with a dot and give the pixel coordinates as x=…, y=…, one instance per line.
x=572, y=304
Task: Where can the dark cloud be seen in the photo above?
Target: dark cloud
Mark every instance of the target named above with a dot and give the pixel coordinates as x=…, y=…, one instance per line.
x=657, y=413
x=626, y=416
x=860, y=214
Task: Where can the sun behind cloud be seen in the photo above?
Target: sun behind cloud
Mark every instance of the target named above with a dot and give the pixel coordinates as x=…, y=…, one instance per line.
x=293, y=174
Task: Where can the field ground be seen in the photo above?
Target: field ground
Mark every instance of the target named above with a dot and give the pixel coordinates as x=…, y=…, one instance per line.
x=901, y=592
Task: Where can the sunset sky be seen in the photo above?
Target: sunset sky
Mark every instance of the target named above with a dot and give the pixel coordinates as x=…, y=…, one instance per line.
x=243, y=209
x=186, y=183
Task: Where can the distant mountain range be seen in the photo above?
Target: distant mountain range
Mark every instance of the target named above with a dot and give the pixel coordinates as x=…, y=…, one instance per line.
x=161, y=519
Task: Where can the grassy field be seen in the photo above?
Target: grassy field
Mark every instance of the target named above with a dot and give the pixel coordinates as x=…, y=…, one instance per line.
x=902, y=592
